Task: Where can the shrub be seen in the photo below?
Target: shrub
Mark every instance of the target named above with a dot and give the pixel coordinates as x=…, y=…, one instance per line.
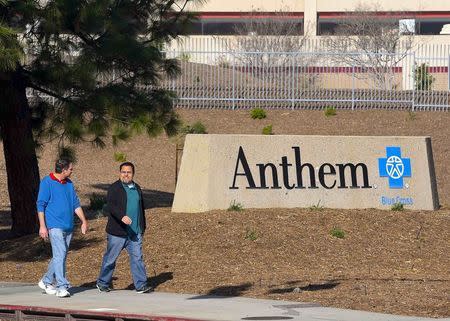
x=185, y=57
x=423, y=77
x=397, y=207
x=236, y=207
x=330, y=111
x=316, y=207
x=251, y=235
x=96, y=202
x=337, y=232
x=267, y=130
x=258, y=113
x=196, y=128
x=120, y=157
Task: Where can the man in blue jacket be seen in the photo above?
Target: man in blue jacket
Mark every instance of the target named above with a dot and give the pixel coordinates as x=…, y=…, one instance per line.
x=125, y=228
x=56, y=203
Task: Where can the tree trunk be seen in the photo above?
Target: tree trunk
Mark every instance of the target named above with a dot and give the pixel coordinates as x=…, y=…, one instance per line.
x=20, y=153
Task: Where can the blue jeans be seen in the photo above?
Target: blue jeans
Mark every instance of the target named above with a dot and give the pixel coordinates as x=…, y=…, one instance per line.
x=115, y=245
x=56, y=271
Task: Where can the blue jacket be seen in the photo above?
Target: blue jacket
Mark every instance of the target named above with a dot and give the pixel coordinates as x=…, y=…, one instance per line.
x=58, y=200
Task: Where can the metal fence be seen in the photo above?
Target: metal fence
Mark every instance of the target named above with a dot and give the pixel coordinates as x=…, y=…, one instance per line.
x=308, y=80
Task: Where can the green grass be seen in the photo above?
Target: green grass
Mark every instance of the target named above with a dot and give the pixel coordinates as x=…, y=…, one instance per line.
x=397, y=207
x=330, y=111
x=267, y=130
x=120, y=157
x=337, y=232
x=236, y=207
x=251, y=235
x=258, y=113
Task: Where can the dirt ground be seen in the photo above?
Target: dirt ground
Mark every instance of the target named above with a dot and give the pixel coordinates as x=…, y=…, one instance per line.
x=392, y=262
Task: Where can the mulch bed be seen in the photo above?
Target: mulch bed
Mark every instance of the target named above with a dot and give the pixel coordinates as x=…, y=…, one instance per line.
x=392, y=262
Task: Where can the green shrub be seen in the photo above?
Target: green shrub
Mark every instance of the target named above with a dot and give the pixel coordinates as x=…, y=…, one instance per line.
x=236, y=207
x=96, y=202
x=185, y=57
x=330, y=111
x=196, y=128
x=397, y=207
x=120, y=157
x=267, y=130
x=251, y=235
x=258, y=113
x=423, y=77
x=316, y=207
x=337, y=232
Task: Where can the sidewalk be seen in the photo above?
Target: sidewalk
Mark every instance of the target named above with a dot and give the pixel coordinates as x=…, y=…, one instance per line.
x=175, y=307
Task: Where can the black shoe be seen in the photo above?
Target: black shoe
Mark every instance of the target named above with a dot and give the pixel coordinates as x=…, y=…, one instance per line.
x=145, y=289
x=102, y=288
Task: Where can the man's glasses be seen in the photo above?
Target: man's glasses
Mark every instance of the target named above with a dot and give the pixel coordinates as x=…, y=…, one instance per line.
x=126, y=172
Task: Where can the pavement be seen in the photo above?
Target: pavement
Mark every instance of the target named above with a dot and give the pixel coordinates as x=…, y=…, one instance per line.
x=126, y=304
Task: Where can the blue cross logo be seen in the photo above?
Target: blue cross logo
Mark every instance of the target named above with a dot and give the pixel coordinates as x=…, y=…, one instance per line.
x=394, y=166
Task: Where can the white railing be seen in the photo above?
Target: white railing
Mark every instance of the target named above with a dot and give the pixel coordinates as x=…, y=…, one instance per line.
x=238, y=79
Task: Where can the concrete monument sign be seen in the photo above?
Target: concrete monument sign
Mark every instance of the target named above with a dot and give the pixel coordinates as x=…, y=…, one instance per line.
x=262, y=171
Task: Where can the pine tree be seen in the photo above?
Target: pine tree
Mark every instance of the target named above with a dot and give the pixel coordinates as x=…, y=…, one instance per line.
x=93, y=68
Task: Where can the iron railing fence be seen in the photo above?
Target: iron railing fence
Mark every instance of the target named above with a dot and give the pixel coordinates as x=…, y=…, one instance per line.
x=225, y=78
x=238, y=79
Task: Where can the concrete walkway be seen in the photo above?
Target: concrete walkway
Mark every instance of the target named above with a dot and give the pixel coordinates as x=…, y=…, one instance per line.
x=176, y=307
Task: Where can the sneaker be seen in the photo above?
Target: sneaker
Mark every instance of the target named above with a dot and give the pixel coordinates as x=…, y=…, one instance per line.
x=145, y=289
x=102, y=288
x=62, y=293
x=47, y=288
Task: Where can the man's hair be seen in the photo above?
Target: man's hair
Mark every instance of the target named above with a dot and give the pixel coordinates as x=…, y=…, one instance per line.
x=62, y=164
x=127, y=164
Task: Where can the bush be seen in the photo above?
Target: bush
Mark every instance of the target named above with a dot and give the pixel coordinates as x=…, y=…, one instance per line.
x=316, y=207
x=267, y=130
x=120, y=157
x=96, y=202
x=196, y=128
x=236, y=207
x=258, y=113
x=423, y=77
x=397, y=207
x=251, y=235
x=330, y=111
x=337, y=232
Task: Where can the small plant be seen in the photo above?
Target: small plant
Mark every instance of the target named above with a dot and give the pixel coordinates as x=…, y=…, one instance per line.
x=96, y=202
x=397, y=207
x=267, y=130
x=251, y=235
x=411, y=115
x=330, y=111
x=423, y=78
x=337, y=232
x=185, y=57
x=120, y=157
x=236, y=207
x=258, y=113
x=316, y=207
x=196, y=128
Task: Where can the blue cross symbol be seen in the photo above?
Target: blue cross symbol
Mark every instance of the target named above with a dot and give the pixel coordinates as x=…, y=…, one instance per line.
x=394, y=166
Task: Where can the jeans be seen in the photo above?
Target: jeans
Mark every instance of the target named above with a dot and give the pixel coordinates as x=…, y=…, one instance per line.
x=56, y=271
x=133, y=245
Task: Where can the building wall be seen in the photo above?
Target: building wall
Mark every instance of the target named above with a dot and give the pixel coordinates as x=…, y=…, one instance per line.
x=322, y=5
x=383, y=5
x=312, y=10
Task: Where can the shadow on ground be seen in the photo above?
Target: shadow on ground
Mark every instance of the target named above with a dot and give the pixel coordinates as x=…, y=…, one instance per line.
x=309, y=287
x=32, y=248
x=224, y=291
x=155, y=280
x=152, y=198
